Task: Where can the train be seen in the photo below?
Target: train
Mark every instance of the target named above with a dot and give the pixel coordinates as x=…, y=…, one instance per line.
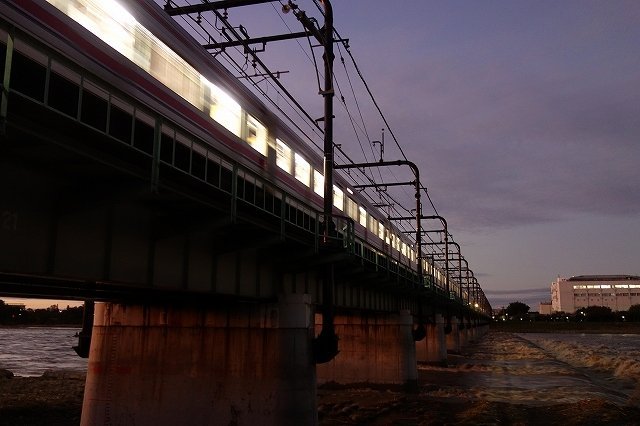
x=136, y=46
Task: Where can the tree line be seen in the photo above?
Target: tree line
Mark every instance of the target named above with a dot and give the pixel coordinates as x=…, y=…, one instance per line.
x=19, y=315
x=519, y=310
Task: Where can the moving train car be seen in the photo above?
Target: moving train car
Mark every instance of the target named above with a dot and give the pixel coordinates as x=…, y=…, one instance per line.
x=135, y=46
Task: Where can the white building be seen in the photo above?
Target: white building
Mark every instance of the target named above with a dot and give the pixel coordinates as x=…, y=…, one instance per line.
x=617, y=292
x=545, y=308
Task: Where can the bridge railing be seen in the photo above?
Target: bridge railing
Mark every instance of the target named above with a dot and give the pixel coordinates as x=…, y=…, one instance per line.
x=39, y=74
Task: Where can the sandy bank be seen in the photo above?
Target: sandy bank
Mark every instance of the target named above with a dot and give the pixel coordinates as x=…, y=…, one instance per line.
x=53, y=399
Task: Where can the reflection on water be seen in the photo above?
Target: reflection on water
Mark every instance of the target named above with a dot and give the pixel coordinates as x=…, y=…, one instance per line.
x=540, y=369
x=30, y=351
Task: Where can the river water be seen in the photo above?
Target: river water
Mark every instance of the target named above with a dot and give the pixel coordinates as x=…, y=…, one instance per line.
x=509, y=379
x=542, y=369
x=30, y=351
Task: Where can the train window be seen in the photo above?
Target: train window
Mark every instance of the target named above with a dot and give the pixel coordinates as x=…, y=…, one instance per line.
x=224, y=109
x=283, y=156
x=338, y=198
x=28, y=76
x=64, y=89
x=94, y=106
x=302, y=169
x=172, y=71
x=31, y=52
x=120, y=120
x=318, y=183
x=65, y=72
x=107, y=19
x=363, y=217
x=373, y=225
x=381, y=231
x=144, y=132
x=352, y=209
x=182, y=153
x=256, y=135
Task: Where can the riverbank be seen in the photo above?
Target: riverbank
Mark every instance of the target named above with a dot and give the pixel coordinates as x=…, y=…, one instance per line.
x=504, y=379
x=54, y=399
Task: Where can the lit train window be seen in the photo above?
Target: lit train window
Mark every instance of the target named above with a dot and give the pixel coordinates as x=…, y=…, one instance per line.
x=338, y=198
x=283, y=156
x=172, y=71
x=363, y=217
x=352, y=209
x=104, y=18
x=256, y=135
x=118, y=28
x=373, y=225
x=223, y=109
x=318, y=183
x=142, y=47
x=302, y=169
x=381, y=231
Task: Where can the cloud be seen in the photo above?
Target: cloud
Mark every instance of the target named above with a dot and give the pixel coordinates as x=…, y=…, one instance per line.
x=524, y=291
x=502, y=147
x=532, y=297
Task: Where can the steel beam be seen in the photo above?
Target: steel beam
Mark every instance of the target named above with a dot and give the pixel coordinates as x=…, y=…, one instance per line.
x=207, y=7
x=256, y=40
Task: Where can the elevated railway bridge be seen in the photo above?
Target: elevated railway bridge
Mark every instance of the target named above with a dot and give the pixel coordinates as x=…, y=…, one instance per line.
x=209, y=280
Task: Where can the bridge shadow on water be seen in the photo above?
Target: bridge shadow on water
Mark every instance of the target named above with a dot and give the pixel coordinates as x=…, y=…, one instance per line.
x=503, y=379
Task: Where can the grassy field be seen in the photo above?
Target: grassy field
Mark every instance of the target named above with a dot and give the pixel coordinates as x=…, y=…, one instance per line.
x=567, y=327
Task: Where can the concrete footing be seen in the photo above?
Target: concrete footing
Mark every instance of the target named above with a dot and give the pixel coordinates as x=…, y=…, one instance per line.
x=374, y=348
x=248, y=364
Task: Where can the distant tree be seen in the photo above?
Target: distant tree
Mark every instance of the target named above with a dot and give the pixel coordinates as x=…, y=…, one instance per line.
x=596, y=314
x=18, y=315
x=634, y=313
x=517, y=309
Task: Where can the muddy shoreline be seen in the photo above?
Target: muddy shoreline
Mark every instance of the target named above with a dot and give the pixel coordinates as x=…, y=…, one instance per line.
x=55, y=399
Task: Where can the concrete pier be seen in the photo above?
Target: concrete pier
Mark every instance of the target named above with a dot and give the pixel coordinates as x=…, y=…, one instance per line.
x=245, y=364
x=374, y=348
x=453, y=338
x=433, y=348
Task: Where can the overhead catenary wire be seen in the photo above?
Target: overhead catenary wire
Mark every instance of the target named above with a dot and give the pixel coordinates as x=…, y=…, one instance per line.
x=295, y=104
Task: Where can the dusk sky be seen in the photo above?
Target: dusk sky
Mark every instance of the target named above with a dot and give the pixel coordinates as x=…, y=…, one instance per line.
x=523, y=116
x=525, y=119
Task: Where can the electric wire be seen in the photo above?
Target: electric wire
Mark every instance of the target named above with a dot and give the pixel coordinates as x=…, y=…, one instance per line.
x=299, y=108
